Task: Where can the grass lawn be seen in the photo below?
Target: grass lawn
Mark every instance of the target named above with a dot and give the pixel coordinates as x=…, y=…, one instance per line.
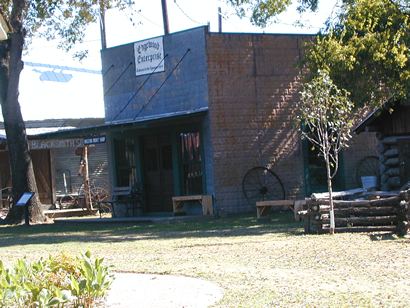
x=257, y=265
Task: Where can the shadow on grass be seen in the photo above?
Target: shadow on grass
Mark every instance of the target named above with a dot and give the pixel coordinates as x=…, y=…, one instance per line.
x=233, y=226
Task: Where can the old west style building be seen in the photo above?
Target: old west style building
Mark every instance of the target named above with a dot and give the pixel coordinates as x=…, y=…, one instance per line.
x=191, y=112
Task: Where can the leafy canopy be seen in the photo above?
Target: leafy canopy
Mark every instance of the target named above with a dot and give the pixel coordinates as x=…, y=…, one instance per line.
x=263, y=10
x=65, y=20
x=365, y=48
x=366, y=51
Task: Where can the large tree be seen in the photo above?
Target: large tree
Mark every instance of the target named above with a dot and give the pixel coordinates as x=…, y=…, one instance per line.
x=366, y=51
x=62, y=19
x=364, y=47
x=261, y=12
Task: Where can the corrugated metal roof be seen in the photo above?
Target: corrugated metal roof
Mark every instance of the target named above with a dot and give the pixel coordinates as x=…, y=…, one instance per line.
x=40, y=127
x=119, y=125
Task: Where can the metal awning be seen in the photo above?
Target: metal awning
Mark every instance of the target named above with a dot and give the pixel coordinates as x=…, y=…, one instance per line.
x=118, y=126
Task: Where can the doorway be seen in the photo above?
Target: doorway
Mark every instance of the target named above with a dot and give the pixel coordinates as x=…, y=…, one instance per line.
x=315, y=171
x=158, y=173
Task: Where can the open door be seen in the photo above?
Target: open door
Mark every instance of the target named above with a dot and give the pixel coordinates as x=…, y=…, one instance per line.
x=158, y=173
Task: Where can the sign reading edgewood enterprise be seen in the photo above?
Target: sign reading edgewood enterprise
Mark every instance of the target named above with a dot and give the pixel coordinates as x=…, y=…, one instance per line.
x=149, y=55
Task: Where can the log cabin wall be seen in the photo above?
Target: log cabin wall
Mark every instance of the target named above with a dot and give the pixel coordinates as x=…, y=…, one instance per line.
x=394, y=156
x=394, y=143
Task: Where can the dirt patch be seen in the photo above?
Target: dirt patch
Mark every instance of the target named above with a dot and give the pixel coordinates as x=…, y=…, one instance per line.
x=143, y=290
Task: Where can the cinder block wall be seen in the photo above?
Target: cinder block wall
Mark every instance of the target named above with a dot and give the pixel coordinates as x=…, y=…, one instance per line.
x=253, y=87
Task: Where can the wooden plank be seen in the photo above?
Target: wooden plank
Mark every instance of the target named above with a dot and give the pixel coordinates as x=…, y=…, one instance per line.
x=187, y=198
x=204, y=200
x=207, y=206
x=338, y=194
x=273, y=203
x=298, y=207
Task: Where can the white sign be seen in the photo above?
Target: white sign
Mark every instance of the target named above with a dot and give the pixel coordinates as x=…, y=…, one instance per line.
x=149, y=56
x=95, y=140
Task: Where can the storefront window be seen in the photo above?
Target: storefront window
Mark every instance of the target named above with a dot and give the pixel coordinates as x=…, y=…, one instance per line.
x=125, y=162
x=191, y=162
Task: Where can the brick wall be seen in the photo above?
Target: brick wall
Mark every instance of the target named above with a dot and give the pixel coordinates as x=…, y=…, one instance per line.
x=253, y=86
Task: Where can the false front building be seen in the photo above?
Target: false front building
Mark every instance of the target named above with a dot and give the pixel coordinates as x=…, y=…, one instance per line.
x=192, y=112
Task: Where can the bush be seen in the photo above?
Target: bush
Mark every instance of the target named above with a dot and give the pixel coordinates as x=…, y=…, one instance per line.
x=59, y=281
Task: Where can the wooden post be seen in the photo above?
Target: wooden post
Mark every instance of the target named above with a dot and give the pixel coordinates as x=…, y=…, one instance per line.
x=165, y=16
x=87, y=193
x=219, y=20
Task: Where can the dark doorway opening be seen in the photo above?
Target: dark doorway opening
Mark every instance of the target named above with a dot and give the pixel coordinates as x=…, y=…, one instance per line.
x=158, y=173
x=315, y=171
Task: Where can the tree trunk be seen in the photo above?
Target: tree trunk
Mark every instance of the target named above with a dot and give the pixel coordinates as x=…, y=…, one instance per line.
x=330, y=190
x=22, y=171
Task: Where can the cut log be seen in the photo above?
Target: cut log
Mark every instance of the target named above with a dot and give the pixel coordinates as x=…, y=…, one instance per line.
x=363, y=221
x=402, y=228
x=392, y=162
x=390, y=201
x=392, y=152
x=363, y=229
x=392, y=172
x=338, y=194
x=389, y=140
x=362, y=211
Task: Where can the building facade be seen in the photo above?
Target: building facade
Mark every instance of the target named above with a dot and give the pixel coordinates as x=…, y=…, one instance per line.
x=192, y=112
x=56, y=161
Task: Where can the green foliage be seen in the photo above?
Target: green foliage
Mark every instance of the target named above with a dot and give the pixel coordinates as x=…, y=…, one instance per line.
x=365, y=48
x=366, y=51
x=263, y=10
x=65, y=20
x=325, y=113
x=54, y=282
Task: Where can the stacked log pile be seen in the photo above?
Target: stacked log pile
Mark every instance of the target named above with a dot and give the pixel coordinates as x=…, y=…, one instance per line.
x=387, y=214
x=390, y=163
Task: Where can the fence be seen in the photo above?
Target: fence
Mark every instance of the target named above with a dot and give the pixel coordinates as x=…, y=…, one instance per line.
x=382, y=214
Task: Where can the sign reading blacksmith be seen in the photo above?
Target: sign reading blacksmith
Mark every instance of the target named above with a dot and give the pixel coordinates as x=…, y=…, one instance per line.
x=149, y=56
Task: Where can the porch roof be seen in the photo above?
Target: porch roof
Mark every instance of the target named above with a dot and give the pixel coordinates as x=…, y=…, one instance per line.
x=143, y=122
x=369, y=122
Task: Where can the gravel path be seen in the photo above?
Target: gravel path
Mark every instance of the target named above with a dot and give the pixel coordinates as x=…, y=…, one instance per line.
x=143, y=290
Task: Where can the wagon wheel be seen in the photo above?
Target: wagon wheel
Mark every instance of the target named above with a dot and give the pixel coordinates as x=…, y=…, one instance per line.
x=99, y=194
x=260, y=183
x=367, y=166
x=99, y=197
x=67, y=202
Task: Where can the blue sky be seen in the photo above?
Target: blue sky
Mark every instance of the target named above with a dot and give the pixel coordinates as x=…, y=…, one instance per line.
x=80, y=95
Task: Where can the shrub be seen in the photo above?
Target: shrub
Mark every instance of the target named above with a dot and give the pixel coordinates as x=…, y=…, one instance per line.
x=58, y=281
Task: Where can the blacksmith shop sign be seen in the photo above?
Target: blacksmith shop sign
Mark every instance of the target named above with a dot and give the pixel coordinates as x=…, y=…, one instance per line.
x=149, y=56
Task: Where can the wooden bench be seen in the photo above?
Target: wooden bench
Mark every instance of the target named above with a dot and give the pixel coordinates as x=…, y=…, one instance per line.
x=204, y=200
x=263, y=207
